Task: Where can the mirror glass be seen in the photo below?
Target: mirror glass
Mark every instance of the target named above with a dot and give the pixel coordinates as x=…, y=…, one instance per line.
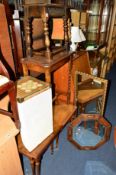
x=88, y=133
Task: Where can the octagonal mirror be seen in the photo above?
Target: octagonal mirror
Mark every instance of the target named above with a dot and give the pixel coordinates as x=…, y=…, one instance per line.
x=89, y=131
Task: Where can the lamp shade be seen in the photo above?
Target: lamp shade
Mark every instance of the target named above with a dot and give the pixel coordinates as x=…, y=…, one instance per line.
x=77, y=35
x=82, y=35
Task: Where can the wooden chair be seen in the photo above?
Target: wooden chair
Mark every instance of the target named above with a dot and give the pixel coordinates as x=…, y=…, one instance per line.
x=9, y=88
x=8, y=131
x=62, y=114
x=8, y=37
x=89, y=88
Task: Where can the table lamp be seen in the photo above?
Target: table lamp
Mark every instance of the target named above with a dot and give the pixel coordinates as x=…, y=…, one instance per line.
x=77, y=36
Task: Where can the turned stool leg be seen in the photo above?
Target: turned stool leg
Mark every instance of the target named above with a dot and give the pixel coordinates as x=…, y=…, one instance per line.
x=32, y=162
x=82, y=110
x=115, y=137
x=100, y=107
x=81, y=107
x=52, y=148
x=37, y=167
x=52, y=144
x=96, y=127
x=57, y=141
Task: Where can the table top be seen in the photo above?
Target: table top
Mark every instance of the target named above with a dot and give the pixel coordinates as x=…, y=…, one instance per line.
x=57, y=60
x=35, y=9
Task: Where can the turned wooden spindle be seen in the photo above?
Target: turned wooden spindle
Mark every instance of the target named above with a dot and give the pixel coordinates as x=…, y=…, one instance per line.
x=66, y=37
x=45, y=18
x=28, y=28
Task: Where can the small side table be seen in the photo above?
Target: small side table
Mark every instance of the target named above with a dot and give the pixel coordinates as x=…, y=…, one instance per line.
x=89, y=131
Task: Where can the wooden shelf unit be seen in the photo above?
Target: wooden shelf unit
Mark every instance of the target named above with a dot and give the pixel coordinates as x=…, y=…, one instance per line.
x=111, y=48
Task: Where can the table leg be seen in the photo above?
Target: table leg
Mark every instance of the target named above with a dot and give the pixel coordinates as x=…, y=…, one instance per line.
x=48, y=76
x=37, y=167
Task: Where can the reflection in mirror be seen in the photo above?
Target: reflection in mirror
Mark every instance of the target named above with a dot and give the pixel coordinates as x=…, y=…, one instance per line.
x=89, y=135
x=89, y=131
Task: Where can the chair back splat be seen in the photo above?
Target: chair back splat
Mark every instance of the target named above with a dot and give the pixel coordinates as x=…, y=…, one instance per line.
x=5, y=68
x=8, y=87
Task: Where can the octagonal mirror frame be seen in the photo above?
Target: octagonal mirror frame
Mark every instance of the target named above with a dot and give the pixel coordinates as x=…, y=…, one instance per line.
x=99, y=120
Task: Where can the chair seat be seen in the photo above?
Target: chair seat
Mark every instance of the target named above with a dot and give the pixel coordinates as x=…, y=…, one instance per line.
x=3, y=80
x=5, y=85
x=87, y=95
x=62, y=114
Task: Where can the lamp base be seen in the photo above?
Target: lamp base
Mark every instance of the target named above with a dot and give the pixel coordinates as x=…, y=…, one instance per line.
x=73, y=46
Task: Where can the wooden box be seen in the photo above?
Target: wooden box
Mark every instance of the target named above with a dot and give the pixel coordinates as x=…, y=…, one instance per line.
x=34, y=99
